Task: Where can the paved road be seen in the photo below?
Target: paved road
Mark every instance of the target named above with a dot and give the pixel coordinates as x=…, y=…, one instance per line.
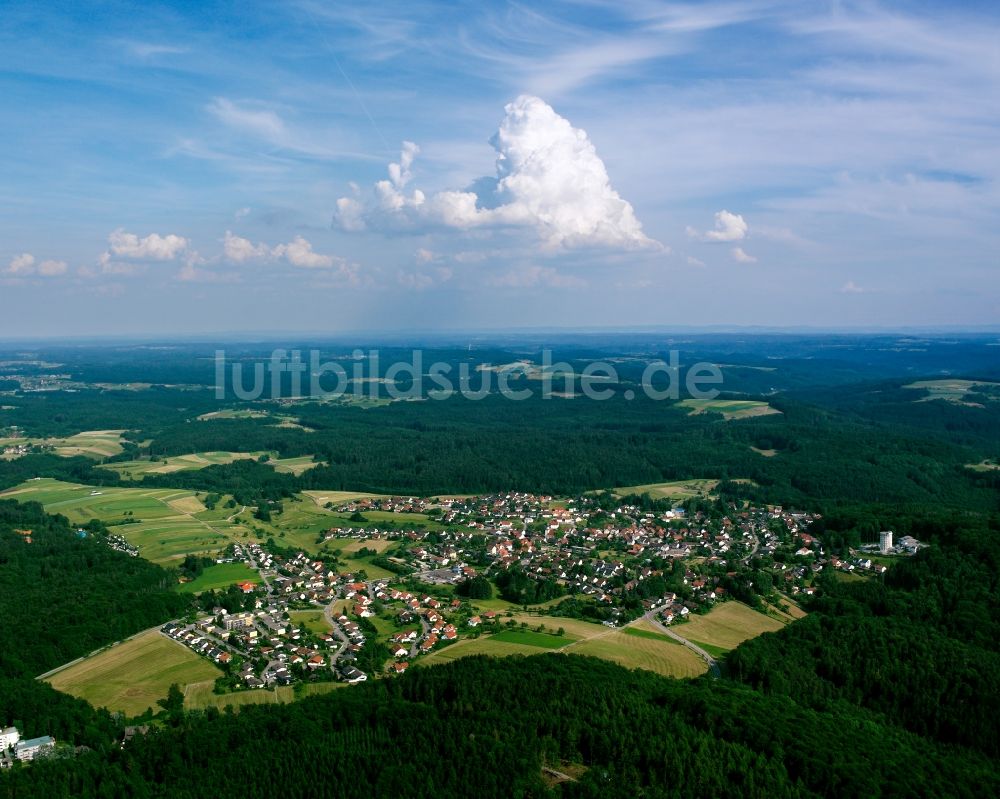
x=756, y=546
x=713, y=664
x=337, y=632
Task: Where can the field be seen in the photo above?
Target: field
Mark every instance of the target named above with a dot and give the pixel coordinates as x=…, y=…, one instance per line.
x=727, y=626
x=951, y=390
x=294, y=466
x=530, y=638
x=478, y=646
x=165, y=524
x=221, y=575
x=730, y=409
x=136, y=470
x=638, y=646
x=131, y=676
x=632, y=651
x=97, y=444
x=336, y=497
x=680, y=489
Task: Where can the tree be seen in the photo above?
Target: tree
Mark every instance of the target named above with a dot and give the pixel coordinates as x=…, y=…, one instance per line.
x=173, y=703
x=476, y=588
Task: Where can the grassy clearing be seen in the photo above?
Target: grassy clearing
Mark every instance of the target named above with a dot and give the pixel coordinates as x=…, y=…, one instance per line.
x=351, y=546
x=221, y=575
x=529, y=638
x=503, y=606
x=321, y=498
x=679, y=489
x=373, y=572
x=950, y=390
x=573, y=628
x=201, y=695
x=727, y=626
x=132, y=676
x=294, y=466
x=848, y=577
x=312, y=620
x=730, y=409
x=793, y=609
x=234, y=413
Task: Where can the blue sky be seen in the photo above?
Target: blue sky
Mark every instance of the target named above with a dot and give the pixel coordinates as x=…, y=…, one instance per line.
x=324, y=166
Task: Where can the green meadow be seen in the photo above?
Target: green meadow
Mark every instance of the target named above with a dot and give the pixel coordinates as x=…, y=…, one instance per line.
x=221, y=575
x=730, y=409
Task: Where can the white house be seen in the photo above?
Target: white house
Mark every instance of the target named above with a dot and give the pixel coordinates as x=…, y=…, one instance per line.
x=9, y=738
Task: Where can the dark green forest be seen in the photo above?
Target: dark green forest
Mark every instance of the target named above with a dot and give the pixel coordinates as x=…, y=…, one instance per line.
x=487, y=727
x=62, y=596
x=825, y=457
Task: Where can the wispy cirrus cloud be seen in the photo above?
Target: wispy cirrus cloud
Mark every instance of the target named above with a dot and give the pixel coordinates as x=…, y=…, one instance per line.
x=260, y=122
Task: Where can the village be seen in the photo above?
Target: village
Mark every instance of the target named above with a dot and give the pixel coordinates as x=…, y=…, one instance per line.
x=587, y=558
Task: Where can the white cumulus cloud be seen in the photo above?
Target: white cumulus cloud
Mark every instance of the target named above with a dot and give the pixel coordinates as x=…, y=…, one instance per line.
x=26, y=265
x=153, y=247
x=743, y=257
x=549, y=179
x=21, y=265
x=728, y=227
x=237, y=249
x=299, y=252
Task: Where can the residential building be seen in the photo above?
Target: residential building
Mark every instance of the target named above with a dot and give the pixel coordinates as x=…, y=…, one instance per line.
x=33, y=747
